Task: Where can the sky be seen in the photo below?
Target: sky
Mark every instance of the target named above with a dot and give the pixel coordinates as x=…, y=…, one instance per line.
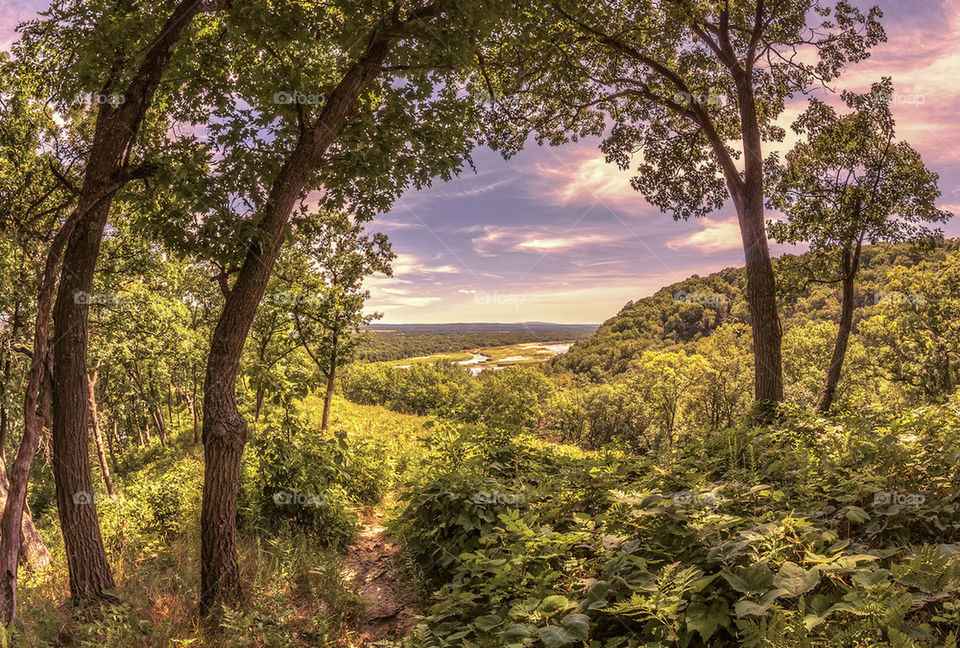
x=558, y=235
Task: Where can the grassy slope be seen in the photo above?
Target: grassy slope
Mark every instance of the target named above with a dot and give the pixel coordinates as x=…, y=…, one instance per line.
x=294, y=594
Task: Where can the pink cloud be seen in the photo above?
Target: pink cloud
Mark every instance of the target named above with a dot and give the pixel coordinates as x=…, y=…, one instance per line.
x=714, y=236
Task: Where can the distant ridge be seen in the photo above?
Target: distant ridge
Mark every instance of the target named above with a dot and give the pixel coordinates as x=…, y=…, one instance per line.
x=680, y=314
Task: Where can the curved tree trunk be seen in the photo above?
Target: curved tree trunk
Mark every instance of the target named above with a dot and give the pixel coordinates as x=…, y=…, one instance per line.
x=105, y=173
x=36, y=410
x=33, y=552
x=224, y=429
x=851, y=264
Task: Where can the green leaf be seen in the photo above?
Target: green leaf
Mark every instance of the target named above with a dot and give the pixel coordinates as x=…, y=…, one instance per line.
x=577, y=625
x=707, y=620
x=488, y=622
x=553, y=604
x=795, y=579
x=517, y=633
x=556, y=637
x=857, y=514
x=755, y=579
x=749, y=608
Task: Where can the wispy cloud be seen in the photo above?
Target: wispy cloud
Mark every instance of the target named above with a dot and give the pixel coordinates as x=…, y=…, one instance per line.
x=715, y=236
x=583, y=177
x=409, y=264
x=543, y=243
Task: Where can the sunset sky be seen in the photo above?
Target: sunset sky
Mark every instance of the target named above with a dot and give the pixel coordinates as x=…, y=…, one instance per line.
x=555, y=234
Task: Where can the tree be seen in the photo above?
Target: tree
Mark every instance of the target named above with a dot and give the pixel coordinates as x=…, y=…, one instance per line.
x=360, y=102
x=126, y=84
x=914, y=337
x=670, y=85
x=849, y=183
x=33, y=200
x=331, y=318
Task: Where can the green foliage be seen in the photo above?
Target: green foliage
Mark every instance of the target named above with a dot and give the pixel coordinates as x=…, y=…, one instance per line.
x=515, y=397
x=800, y=535
x=299, y=475
x=511, y=398
x=915, y=337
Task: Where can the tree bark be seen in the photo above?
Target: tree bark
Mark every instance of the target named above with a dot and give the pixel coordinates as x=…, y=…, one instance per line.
x=106, y=171
x=331, y=379
x=97, y=435
x=761, y=281
x=36, y=410
x=850, y=266
x=225, y=431
x=34, y=553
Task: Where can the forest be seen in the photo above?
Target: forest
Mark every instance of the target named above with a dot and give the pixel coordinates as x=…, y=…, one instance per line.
x=212, y=435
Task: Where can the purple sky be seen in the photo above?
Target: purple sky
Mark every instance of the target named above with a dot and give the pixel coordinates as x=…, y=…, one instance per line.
x=555, y=234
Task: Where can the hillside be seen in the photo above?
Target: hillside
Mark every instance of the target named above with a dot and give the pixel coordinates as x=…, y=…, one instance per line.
x=682, y=313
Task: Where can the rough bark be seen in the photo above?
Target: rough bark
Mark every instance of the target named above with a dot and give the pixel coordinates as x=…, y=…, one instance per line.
x=225, y=431
x=35, y=414
x=106, y=171
x=33, y=552
x=761, y=281
x=850, y=266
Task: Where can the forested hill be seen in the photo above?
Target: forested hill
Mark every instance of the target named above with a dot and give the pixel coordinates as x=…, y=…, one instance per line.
x=684, y=312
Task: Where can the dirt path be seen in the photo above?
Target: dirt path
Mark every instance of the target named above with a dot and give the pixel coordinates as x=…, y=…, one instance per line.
x=370, y=568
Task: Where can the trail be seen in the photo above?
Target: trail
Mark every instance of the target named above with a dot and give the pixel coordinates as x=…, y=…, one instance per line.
x=371, y=568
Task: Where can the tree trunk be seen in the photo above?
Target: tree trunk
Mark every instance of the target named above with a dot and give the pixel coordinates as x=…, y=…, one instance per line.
x=97, y=435
x=761, y=282
x=34, y=553
x=224, y=430
x=261, y=394
x=153, y=409
x=7, y=366
x=193, y=409
x=851, y=264
x=106, y=172
x=331, y=379
x=111, y=435
x=90, y=575
x=36, y=412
